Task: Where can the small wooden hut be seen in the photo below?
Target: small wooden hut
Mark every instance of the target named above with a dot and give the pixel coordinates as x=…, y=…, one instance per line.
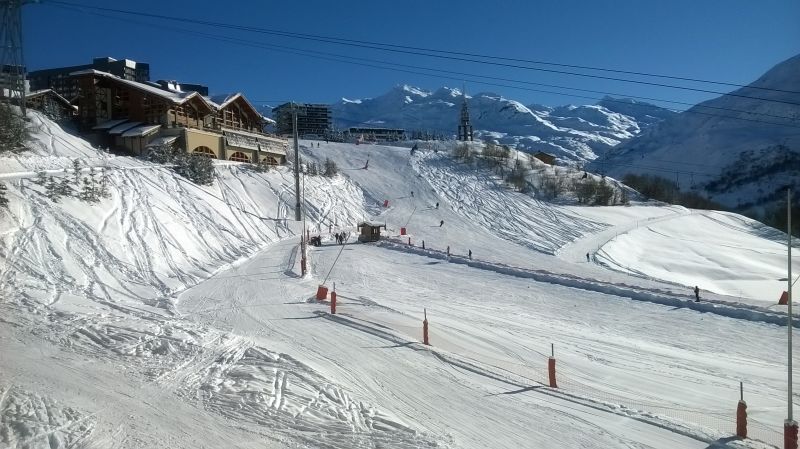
x=370, y=232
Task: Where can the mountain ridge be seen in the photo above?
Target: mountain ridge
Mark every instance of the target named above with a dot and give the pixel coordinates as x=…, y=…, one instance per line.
x=573, y=133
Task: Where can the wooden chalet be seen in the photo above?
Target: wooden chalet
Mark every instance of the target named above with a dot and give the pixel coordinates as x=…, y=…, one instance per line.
x=51, y=104
x=370, y=232
x=133, y=116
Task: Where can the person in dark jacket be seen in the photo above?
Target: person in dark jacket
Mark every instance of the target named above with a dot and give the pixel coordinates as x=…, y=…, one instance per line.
x=696, y=294
x=441, y=223
x=470, y=254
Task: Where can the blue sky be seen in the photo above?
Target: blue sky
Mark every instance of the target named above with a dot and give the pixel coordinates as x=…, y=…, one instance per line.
x=731, y=40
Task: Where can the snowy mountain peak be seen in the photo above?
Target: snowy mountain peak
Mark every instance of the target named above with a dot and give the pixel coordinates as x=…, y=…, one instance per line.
x=415, y=91
x=573, y=133
x=707, y=146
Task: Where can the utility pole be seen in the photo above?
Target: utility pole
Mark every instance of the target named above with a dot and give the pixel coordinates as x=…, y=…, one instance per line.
x=790, y=425
x=12, y=64
x=297, y=216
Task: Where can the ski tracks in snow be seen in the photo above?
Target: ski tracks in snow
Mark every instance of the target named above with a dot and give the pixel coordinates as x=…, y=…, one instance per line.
x=516, y=217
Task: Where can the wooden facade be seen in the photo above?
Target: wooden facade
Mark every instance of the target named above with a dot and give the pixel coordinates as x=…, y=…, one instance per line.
x=104, y=98
x=230, y=130
x=51, y=104
x=370, y=232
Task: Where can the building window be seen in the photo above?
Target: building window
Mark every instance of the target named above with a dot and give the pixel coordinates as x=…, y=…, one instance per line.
x=271, y=160
x=239, y=157
x=205, y=151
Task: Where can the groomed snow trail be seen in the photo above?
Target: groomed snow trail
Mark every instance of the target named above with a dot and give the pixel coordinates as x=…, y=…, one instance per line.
x=172, y=315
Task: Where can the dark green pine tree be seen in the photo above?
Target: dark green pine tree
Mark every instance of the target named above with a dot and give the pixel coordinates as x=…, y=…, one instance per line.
x=76, y=167
x=102, y=190
x=64, y=187
x=51, y=189
x=3, y=198
x=88, y=193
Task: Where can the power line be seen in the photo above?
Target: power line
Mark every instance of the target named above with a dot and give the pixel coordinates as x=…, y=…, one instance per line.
x=337, y=58
x=348, y=60
x=410, y=50
x=542, y=84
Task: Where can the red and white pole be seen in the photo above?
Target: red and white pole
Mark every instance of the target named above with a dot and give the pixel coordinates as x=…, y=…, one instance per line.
x=741, y=414
x=551, y=367
x=425, y=328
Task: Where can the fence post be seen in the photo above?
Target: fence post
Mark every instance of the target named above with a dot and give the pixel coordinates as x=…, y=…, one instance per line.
x=790, y=434
x=333, y=302
x=551, y=367
x=425, y=328
x=741, y=414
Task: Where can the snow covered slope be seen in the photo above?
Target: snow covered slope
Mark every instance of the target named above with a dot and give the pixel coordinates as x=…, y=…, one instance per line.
x=171, y=315
x=739, y=163
x=573, y=133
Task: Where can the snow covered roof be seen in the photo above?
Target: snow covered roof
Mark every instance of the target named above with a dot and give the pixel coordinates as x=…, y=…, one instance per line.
x=55, y=94
x=108, y=124
x=371, y=224
x=221, y=101
x=142, y=130
x=162, y=140
x=121, y=128
x=175, y=97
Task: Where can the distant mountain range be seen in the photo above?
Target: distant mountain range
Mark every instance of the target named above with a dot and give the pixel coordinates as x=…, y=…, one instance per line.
x=574, y=134
x=741, y=149
x=743, y=160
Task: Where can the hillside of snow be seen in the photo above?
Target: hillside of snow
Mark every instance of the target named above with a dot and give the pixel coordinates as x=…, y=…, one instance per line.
x=742, y=164
x=572, y=133
x=173, y=315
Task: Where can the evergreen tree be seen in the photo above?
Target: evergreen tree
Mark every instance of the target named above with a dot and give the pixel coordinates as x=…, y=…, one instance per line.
x=3, y=199
x=88, y=193
x=41, y=177
x=163, y=154
x=330, y=168
x=195, y=167
x=51, y=190
x=103, y=191
x=94, y=183
x=64, y=189
x=13, y=130
x=76, y=168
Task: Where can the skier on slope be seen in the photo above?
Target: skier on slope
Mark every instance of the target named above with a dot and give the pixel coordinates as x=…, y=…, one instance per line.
x=441, y=223
x=470, y=254
x=587, y=257
x=696, y=294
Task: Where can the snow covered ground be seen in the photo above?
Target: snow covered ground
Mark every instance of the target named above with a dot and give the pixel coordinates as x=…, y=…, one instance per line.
x=171, y=315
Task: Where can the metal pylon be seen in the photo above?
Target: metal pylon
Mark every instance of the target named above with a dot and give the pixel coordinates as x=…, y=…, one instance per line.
x=12, y=64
